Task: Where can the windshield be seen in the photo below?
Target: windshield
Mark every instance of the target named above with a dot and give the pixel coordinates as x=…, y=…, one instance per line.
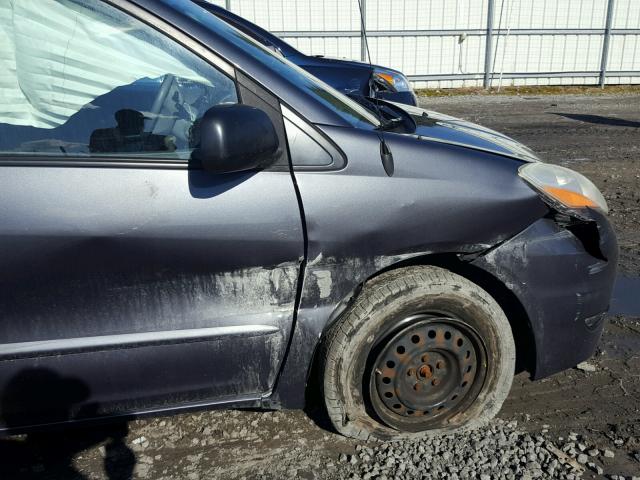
x=348, y=109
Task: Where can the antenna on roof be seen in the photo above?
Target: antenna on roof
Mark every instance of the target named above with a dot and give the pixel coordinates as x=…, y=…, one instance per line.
x=385, y=153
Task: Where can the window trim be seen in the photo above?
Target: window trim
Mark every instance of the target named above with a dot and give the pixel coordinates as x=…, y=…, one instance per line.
x=28, y=160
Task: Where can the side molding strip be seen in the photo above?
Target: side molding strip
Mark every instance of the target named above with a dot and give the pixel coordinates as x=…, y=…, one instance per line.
x=11, y=351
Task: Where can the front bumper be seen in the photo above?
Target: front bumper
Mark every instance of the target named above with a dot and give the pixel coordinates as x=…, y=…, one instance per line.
x=564, y=282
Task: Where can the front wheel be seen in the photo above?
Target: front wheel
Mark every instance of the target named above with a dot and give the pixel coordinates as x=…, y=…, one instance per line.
x=421, y=351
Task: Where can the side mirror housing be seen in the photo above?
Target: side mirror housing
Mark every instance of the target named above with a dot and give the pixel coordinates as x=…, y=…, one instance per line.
x=236, y=138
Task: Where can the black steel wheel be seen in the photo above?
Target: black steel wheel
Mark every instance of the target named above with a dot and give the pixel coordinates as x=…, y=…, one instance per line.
x=421, y=351
x=429, y=370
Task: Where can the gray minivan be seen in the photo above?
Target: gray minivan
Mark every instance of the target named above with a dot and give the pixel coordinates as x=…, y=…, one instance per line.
x=188, y=220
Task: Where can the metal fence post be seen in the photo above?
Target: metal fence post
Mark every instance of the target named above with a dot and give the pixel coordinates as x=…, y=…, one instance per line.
x=227, y=4
x=605, y=43
x=488, y=52
x=363, y=30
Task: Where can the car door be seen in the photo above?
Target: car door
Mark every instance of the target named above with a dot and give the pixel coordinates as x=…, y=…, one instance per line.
x=130, y=279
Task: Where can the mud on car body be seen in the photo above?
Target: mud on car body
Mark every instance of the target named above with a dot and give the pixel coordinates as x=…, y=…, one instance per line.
x=189, y=220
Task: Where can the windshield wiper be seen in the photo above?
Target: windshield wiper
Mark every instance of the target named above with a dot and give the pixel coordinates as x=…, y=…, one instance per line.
x=391, y=124
x=387, y=121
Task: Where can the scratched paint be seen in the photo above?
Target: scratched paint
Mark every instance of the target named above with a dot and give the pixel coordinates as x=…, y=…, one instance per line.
x=323, y=279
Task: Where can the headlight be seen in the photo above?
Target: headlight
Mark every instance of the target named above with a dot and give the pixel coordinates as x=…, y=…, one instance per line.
x=394, y=81
x=563, y=188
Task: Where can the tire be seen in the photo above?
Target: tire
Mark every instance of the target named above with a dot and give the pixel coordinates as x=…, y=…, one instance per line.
x=421, y=351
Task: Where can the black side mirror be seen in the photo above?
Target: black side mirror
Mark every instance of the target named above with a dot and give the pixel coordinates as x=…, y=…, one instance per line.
x=235, y=138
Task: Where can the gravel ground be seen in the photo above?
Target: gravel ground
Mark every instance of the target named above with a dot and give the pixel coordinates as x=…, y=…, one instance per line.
x=583, y=423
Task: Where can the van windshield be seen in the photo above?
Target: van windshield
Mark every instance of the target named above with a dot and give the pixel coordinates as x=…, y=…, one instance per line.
x=348, y=109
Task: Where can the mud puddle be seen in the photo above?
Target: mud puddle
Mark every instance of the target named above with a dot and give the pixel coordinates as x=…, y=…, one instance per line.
x=626, y=296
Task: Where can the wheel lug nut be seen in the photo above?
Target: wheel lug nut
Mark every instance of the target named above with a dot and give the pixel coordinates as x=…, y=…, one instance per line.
x=411, y=372
x=435, y=382
x=425, y=358
x=417, y=387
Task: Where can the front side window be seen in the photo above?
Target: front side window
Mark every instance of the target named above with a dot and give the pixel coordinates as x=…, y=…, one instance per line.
x=81, y=78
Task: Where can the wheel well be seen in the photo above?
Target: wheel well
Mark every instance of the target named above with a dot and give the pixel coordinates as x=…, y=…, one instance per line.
x=509, y=303
x=506, y=299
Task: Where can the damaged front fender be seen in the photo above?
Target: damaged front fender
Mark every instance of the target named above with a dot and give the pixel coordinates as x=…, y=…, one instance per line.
x=562, y=286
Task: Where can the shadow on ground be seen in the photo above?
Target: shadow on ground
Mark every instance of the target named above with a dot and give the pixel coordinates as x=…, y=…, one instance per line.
x=50, y=453
x=599, y=119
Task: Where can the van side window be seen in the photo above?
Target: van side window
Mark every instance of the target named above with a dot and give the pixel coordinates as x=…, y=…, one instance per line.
x=81, y=78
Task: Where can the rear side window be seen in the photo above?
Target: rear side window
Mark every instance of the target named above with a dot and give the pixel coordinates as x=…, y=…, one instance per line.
x=81, y=78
